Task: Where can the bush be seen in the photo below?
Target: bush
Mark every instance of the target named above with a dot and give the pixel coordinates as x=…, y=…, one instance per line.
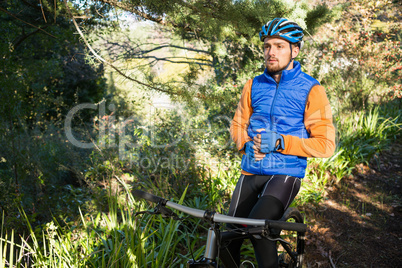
x=358, y=58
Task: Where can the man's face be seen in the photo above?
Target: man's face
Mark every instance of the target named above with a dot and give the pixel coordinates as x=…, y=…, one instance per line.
x=277, y=54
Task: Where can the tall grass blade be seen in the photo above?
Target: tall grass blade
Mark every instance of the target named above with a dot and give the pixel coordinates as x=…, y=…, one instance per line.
x=2, y=259
x=11, y=262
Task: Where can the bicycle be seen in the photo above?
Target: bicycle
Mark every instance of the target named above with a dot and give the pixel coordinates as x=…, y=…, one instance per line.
x=289, y=231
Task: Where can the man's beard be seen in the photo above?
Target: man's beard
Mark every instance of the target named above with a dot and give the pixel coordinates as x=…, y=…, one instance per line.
x=276, y=66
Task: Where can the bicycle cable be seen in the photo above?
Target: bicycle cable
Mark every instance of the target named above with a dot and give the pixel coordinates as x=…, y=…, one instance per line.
x=187, y=234
x=246, y=261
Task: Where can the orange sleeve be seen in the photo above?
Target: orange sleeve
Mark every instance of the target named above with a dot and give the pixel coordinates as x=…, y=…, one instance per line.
x=318, y=122
x=241, y=119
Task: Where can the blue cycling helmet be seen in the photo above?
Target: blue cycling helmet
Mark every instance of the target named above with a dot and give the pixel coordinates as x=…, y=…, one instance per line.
x=283, y=28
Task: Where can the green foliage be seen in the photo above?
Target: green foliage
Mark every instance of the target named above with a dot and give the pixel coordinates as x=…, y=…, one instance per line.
x=44, y=73
x=78, y=210
x=362, y=136
x=366, y=135
x=322, y=14
x=114, y=239
x=357, y=60
x=227, y=31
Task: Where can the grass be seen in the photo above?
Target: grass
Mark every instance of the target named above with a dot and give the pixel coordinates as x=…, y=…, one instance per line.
x=361, y=136
x=117, y=237
x=7, y=249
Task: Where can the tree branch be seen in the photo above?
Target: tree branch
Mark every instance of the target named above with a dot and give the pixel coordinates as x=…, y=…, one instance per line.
x=132, y=8
x=159, y=47
x=25, y=36
x=108, y=63
x=43, y=12
x=174, y=46
x=14, y=16
x=168, y=59
x=31, y=5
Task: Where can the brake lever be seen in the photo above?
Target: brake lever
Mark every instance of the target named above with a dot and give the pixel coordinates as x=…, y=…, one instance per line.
x=145, y=212
x=159, y=209
x=164, y=211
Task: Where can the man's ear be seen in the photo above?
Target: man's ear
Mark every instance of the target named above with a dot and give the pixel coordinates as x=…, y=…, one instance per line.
x=295, y=51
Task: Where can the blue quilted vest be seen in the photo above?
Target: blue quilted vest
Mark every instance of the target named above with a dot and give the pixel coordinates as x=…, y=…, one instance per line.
x=279, y=107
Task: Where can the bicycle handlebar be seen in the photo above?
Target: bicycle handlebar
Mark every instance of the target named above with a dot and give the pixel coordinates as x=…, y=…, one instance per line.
x=148, y=196
x=216, y=217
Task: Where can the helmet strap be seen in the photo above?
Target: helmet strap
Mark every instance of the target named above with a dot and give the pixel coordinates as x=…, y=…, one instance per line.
x=291, y=58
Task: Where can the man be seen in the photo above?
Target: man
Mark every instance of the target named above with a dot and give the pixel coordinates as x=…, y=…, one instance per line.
x=282, y=118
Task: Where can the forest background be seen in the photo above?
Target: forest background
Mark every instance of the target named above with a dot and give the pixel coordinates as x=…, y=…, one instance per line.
x=101, y=97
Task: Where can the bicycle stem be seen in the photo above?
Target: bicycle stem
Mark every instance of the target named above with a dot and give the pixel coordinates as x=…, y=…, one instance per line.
x=211, y=247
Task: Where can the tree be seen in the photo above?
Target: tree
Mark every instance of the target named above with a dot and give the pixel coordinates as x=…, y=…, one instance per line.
x=228, y=28
x=359, y=57
x=43, y=74
x=45, y=69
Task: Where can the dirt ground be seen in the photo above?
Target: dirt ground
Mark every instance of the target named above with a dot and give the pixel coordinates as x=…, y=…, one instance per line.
x=359, y=223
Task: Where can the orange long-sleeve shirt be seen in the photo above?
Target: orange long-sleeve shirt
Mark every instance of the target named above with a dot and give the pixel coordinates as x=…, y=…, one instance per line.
x=317, y=120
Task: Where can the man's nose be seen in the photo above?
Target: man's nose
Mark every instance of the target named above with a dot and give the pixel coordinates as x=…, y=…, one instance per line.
x=271, y=52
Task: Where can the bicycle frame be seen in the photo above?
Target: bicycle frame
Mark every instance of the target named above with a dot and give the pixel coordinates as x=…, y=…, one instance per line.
x=259, y=227
x=212, y=246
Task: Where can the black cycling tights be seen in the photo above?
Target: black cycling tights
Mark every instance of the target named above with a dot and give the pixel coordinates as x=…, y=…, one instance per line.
x=261, y=197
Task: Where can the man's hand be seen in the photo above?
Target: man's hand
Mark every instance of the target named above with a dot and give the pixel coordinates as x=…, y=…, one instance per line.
x=266, y=142
x=252, y=150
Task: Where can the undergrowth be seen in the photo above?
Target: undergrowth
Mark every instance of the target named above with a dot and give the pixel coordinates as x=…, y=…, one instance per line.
x=115, y=236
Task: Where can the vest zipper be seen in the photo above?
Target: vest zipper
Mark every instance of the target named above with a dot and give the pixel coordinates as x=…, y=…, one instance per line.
x=272, y=126
x=273, y=123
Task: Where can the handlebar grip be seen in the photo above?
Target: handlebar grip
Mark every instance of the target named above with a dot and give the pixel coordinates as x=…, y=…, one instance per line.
x=147, y=196
x=292, y=226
